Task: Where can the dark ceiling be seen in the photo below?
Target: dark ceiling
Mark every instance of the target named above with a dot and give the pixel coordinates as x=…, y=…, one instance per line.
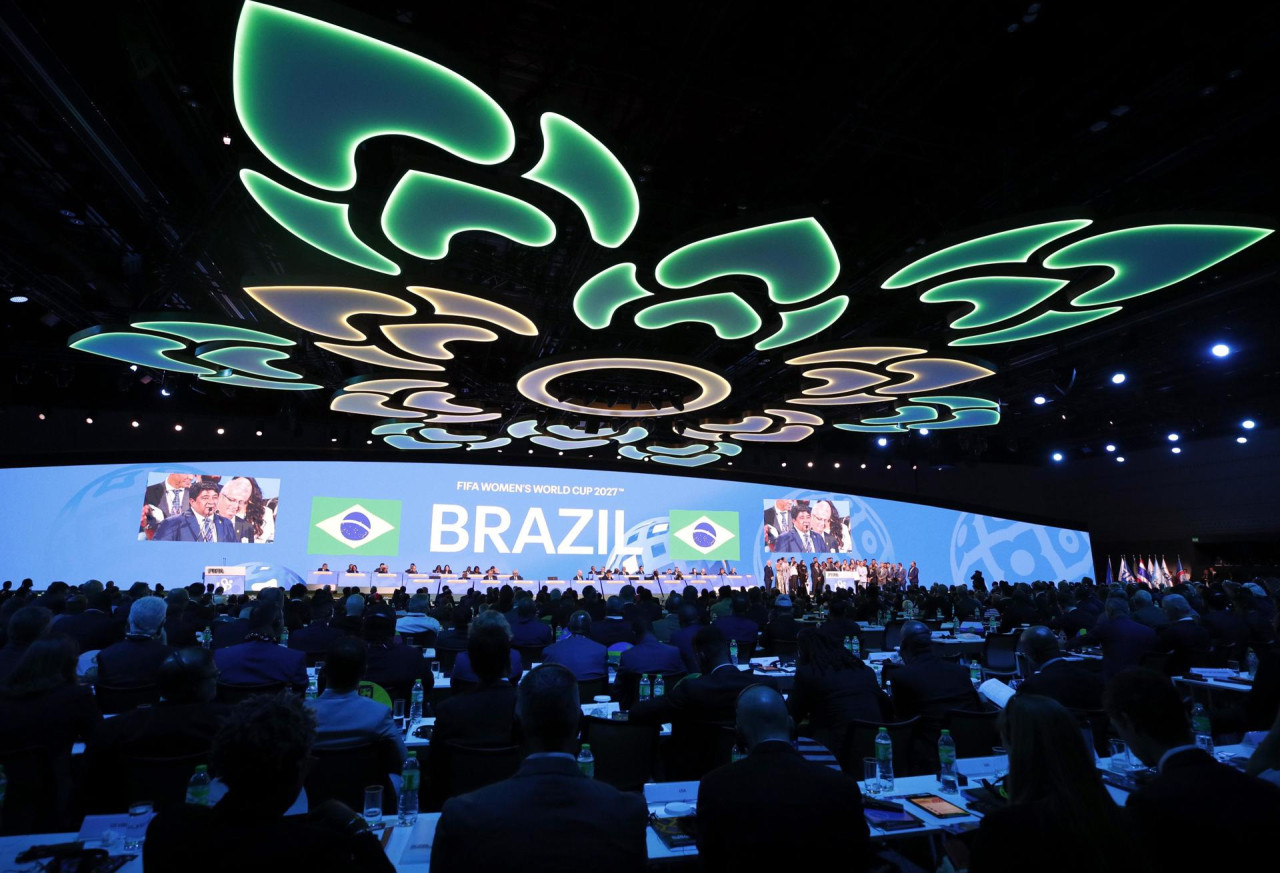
x=901, y=127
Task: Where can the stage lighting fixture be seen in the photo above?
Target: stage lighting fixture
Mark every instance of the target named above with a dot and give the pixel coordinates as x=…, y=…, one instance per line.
x=1111, y=447
x=1173, y=437
x=1117, y=379
x=837, y=465
x=1040, y=400
x=1177, y=450
x=40, y=416
x=257, y=433
x=1220, y=350
x=90, y=421
x=1057, y=456
x=177, y=427
x=133, y=424
x=221, y=431
x=1241, y=440
x=1247, y=424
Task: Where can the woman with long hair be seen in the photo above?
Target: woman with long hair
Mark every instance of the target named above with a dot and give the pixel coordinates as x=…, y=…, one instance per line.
x=1060, y=816
x=832, y=688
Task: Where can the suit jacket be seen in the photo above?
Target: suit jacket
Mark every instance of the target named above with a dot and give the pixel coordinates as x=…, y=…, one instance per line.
x=930, y=686
x=666, y=627
x=315, y=639
x=256, y=662
x=704, y=697
x=484, y=716
x=91, y=629
x=1152, y=616
x=779, y=521
x=682, y=639
x=396, y=667
x=229, y=633
x=547, y=817
x=1069, y=683
x=531, y=632
x=784, y=628
x=1188, y=641
x=744, y=630
x=463, y=673
x=131, y=662
x=612, y=630
x=1071, y=623
x=651, y=656
x=346, y=719
x=1123, y=640
x=1194, y=794
x=832, y=699
x=186, y=528
x=790, y=542
x=814, y=815
x=585, y=658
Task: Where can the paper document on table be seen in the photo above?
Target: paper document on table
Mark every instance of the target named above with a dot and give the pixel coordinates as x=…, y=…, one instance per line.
x=996, y=691
x=418, y=849
x=1213, y=672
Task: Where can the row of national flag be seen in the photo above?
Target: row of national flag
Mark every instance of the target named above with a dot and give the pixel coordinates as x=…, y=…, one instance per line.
x=1149, y=570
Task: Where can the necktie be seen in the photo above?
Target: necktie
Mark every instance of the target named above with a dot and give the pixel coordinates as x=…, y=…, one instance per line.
x=208, y=533
x=175, y=505
x=808, y=543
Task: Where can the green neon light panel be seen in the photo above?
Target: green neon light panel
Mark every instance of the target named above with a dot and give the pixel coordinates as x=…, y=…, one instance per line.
x=309, y=93
x=795, y=259
x=226, y=377
x=800, y=324
x=1146, y=259
x=135, y=348
x=202, y=333
x=726, y=313
x=425, y=211
x=994, y=298
x=247, y=359
x=1007, y=247
x=695, y=461
x=578, y=165
x=1042, y=325
x=605, y=293
x=317, y=222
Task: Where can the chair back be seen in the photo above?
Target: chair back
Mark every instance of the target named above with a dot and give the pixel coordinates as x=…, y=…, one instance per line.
x=697, y=748
x=999, y=652
x=343, y=774
x=422, y=639
x=872, y=640
x=472, y=767
x=114, y=699
x=1158, y=661
x=31, y=803
x=163, y=781
x=975, y=733
x=614, y=652
x=783, y=649
x=588, y=689
x=1098, y=725
x=529, y=655
x=375, y=692
x=624, y=751
x=231, y=694
x=892, y=634
x=860, y=742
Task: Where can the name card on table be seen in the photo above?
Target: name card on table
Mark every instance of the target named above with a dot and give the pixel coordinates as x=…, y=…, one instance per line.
x=418, y=849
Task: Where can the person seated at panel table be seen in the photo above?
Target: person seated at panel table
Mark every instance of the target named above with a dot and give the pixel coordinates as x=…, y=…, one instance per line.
x=382, y=568
x=1059, y=813
x=491, y=574
x=813, y=813
x=324, y=568
x=578, y=577
x=548, y=816
x=262, y=753
x=1185, y=812
x=515, y=575
x=352, y=568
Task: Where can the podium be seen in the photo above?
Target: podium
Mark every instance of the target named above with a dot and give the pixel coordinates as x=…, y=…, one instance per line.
x=229, y=579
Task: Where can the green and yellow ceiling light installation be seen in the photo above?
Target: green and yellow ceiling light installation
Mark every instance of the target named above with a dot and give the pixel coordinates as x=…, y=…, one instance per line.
x=930, y=412
x=686, y=455
x=873, y=374
x=1009, y=308
x=773, y=426
x=536, y=385
x=416, y=436
x=220, y=353
x=567, y=439
x=794, y=259
x=407, y=398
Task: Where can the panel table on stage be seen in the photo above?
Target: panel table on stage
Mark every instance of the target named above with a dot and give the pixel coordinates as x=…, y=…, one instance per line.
x=846, y=578
x=354, y=580
x=414, y=581
x=386, y=583
x=317, y=579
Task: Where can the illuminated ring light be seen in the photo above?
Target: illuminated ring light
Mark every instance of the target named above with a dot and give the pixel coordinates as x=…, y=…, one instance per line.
x=533, y=385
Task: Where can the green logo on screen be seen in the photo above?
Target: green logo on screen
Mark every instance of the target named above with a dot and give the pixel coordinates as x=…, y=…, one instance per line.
x=344, y=526
x=703, y=536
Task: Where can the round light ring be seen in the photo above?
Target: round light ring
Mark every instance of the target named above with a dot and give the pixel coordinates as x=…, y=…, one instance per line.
x=714, y=388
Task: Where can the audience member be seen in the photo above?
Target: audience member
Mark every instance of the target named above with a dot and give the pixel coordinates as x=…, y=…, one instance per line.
x=709, y=697
x=136, y=659
x=93, y=627
x=393, y=664
x=528, y=629
x=832, y=688
x=614, y=628
x=464, y=675
x=25, y=626
x=417, y=618
x=260, y=659
x=1123, y=640
x=929, y=687
x=1186, y=641
x=736, y=626
x=648, y=655
x=585, y=658
x=343, y=717
x=1067, y=682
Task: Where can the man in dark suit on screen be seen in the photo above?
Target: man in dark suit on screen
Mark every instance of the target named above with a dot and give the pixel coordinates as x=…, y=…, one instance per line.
x=549, y=816
x=166, y=499
x=800, y=538
x=201, y=522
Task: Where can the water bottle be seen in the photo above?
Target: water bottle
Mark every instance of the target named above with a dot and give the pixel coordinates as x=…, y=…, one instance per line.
x=415, y=701
x=198, y=786
x=737, y=754
x=733, y=652
x=884, y=759
x=947, y=763
x=409, y=777
x=644, y=686
x=1201, y=728
x=658, y=689
x=587, y=762
x=975, y=672
x=313, y=688
x=855, y=648
x=1251, y=664
x=206, y=638
x=284, y=637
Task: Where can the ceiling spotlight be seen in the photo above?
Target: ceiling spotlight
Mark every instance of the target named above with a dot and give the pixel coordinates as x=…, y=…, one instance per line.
x=370, y=442
x=1247, y=424
x=531, y=451
x=164, y=392
x=40, y=416
x=1173, y=437
x=133, y=424
x=888, y=466
x=731, y=463
x=864, y=466
x=1040, y=400
x=562, y=453
x=19, y=298
x=88, y=421
x=221, y=431
x=333, y=439
x=177, y=427
x=915, y=466
x=1111, y=447
x=226, y=139
x=882, y=442
x=1177, y=450
x=837, y=465
x=1241, y=440
x=1119, y=459
x=1057, y=456
x=133, y=368
x=810, y=464
x=1220, y=350
x=924, y=431
x=1117, y=378
x=784, y=463
x=257, y=433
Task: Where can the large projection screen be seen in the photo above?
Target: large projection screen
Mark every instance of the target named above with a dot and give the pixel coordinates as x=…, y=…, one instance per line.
x=283, y=519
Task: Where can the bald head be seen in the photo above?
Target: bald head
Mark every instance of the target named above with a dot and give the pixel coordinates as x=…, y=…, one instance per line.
x=762, y=716
x=1038, y=644
x=916, y=639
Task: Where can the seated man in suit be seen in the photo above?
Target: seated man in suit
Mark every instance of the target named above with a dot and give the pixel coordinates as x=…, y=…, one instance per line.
x=783, y=628
x=393, y=664
x=26, y=626
x=614, y=628
x=92, y=627
x=528, y=629
x=585, y=658
x=416, y=618
x=317, y=636
x=1145, y=612
x=1123, y=640
x=454, y=638
x=1192, y=793
x=929, y=687
x=1183, y=636
x=648, y=655
x=667, y=625
x=135, y=660
x=814, y=812
x=343, y=717
x=491, y=622
x=260, y=659
x=261, y=754
x=200, y=523
x=709, y=697
x=736, y=626
x=840, y=623
x=1068, y=682
x=682, y=639
x=549, y=814
x=184, y=722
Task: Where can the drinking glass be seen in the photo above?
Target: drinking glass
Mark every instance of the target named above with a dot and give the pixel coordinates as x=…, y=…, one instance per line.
x=1120, y=761
x=435, y=669
x=397, y=713
x=1001, y=761
x=871, y=776
x=1234, y=667
x=373, y=805
x=140, y=814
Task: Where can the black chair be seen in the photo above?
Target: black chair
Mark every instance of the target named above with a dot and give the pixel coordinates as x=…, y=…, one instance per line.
x=35, y=801
x=231, y=694
x=472, y=767
x=860, y=742
x=892, y=635
x=783, y=649
x=1158, y=661
x=423, y=639
x=589, y=689
x=114, y=699
x=626, y=688
x=624, y=751
x=999, y=652
x=529, y=655
x=871, y=641
x=446, y=657
x=344, y=773
x=1096, y=722
x=697, y=748
x=975, y=733
x=163, y=781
